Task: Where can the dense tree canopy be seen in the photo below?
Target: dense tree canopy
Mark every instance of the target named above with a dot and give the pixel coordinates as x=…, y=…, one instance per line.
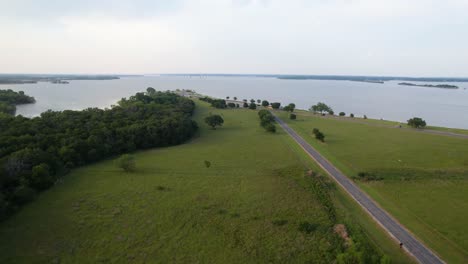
x=9, y=99
x=265, y=103
x=35, y=152
x=289, y=108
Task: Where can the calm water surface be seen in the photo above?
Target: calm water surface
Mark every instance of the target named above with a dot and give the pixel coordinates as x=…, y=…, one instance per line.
x=390, y=101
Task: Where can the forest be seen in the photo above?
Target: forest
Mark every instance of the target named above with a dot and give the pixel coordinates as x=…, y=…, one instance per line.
x=36, y=152
x=9, y=99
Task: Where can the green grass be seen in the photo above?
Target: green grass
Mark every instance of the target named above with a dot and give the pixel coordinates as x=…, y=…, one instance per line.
x=245, y=208
x=425, y=176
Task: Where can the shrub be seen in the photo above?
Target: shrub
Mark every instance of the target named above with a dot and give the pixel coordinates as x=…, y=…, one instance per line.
x=232, y=105
x=315, y=131
x=214, y=121
x=245, y=105
x=265, y=103
x=320, y=136
x=292, y=116
x=365, y=117
x=252, y=106
x=306, y=227
x=351, y=115
x=342, y=113
x=127, y=163
x=331, y=112
x=270, y=128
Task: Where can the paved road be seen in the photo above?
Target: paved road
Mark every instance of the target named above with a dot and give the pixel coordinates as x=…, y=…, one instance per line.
x=396, y=230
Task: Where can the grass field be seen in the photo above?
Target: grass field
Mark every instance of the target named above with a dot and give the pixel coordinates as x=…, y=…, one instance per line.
x=425, y=177
x=245, y=208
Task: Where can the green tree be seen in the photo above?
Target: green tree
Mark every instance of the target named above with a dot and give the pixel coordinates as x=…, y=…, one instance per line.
x=235, y=98
x=265, y=103
x=126, y=162
x=252, y=106
x=276, y=105
x=342, y=113
x=245, y=105
x=40, y=177
x=270, y=127
x=259, y=101
x=150, y=91
x=320, y=107
x=214, y=121
x=320, y=136
x=416, y=122
x=207, y=163
x=292, y=116
x=351, y=115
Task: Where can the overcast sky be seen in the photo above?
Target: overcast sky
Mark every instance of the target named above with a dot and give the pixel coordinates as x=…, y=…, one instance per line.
x=348, y=37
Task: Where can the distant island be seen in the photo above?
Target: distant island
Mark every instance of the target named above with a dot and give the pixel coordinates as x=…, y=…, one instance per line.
x=442, y=86
x=56, y=78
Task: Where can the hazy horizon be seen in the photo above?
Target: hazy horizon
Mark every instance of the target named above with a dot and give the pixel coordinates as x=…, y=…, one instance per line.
x=421, y=38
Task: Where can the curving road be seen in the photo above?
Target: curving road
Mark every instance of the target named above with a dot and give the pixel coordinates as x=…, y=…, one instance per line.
x=413, y=246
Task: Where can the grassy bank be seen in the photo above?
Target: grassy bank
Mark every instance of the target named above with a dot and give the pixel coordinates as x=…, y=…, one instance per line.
x=247, y=207
x=424, y=176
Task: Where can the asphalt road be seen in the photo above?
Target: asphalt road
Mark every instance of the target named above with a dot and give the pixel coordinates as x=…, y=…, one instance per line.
x=413, y=246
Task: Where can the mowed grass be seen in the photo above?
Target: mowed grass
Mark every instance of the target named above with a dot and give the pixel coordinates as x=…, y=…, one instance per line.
x=425, y=177
x=245, y=208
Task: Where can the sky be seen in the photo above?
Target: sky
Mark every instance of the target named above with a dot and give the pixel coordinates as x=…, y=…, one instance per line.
x=332, y=37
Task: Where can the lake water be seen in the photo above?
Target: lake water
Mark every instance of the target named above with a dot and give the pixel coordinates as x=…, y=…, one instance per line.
x=390, y=101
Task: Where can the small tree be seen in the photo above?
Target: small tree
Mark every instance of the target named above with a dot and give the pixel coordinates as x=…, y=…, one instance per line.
x=315, y=131
x=342, y=113
x=416, y=122
x=235, y=98
x=276, y=105
x=252, y=101
x=292, y=116
x=270, y=127
x=214, y=121
x=207, y=163
x=365, y=117
x=259, y=101
x=351, y=115
x=265, y=103
x=245, y=105
x=227, y=97
x=331, y=112
x=320, y=136
x=252, y=106
x=127, y=163
x=232, y=105
x=150, y=91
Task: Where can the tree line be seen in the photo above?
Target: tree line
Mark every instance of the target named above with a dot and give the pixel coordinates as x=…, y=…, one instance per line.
x=9, y=99
x=35, y=152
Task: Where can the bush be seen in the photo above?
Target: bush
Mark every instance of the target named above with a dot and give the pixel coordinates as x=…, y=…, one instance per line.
x=351, y=115
x=214, y=121
x=306, y=227
x=331, y=112
x=270, y=127
x=265, y=103
x=232, y=105
x=365, y=117
x=252, y=106
x=315, y=131
x=342, y=113
x=320, y=136
x=127, y=163
x=245, y=105
x=292, y=116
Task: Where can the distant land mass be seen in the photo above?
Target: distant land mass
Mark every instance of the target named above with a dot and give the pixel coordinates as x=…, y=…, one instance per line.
x=53, y=78
x=442, y=86
x=371, y=79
